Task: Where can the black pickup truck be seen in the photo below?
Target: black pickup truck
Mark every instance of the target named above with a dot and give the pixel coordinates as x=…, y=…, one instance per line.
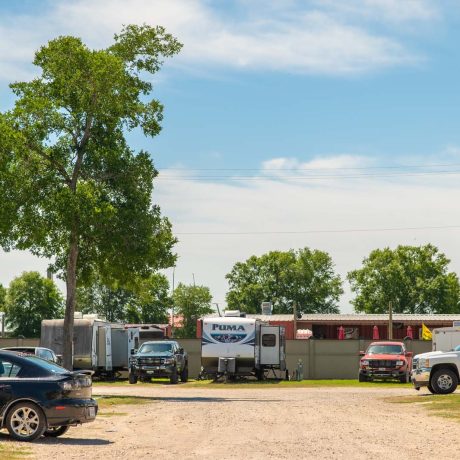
x=160, y=358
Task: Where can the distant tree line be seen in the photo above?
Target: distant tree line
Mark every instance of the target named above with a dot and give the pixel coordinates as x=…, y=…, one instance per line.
x=415, y=279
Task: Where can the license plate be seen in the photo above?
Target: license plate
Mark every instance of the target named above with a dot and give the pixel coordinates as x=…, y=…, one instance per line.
x=91, y=412
x=382, y=369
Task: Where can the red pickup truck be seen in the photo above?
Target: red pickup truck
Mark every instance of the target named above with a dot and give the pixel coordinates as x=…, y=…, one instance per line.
x=385, y=360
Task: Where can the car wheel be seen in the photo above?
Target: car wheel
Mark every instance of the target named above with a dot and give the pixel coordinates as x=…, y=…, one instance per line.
x=56, y=431
x=174, y=378
x=132, y=378
x=362, y=378
x=184, y=374
x=25, y=421
x=444, y=381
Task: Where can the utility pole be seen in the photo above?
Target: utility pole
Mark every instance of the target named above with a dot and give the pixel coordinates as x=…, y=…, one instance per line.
x=390, y=321
x=193, y=274
x=294, y=310
x=172, y=308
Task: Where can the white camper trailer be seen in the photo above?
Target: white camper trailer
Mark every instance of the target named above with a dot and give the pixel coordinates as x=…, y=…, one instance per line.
x=98, y=345
x=239, y=346
x=446, y=338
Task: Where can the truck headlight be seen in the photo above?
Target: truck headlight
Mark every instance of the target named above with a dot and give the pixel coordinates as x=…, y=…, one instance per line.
x=169, y=361
x=364, y=362
x=424, y=363
x=400, y=362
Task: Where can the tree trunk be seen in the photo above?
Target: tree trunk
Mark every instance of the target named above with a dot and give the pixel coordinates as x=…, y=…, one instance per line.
x=71, y=284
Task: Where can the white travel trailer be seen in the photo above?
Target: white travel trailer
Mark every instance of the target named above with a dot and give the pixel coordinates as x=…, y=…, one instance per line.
x=98, y=345
x=240, y=346
x=446, y=338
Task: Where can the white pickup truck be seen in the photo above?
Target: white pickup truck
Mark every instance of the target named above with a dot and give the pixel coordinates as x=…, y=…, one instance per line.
x=437, y=370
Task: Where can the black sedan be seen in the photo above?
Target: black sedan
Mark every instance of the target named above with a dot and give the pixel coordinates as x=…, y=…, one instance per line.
x=38, y=397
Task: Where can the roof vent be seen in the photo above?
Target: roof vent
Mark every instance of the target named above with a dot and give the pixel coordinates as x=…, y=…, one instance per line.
x=232, y=313
x=266, y=308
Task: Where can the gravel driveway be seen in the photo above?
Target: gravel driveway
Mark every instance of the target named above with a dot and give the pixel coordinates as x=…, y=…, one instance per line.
x=282, y=423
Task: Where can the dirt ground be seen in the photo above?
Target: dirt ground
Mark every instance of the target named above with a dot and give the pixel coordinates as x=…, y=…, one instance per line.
x=253, y=423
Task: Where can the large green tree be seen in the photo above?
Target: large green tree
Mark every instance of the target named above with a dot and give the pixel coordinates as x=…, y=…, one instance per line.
x=30, y=299
x=146, y=300
x=72, y=189
x=191, y=303
x=305, y=276
x=415, y=279
x=2, y=297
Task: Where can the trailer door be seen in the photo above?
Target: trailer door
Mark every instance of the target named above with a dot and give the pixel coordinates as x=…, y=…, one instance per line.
x=270, y=345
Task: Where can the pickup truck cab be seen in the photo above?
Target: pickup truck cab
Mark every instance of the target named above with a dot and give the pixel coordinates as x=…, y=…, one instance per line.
x=159, y=358
x=437, y=370
x=385, y=360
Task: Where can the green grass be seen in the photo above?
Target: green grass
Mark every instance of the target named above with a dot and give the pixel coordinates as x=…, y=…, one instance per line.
x=264, y=384
x=440, y=405
x=107, y=404
x=10, y=451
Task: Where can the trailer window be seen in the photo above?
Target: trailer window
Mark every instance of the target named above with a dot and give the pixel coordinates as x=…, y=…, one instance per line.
x=268, y=340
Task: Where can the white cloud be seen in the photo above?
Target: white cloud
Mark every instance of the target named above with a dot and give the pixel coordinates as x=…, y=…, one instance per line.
x=334, y=205
x=311, y=37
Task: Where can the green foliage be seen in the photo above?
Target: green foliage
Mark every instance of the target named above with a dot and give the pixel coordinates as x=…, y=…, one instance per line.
x=190, y=302
x=146, y=301
x=415, y=279
x=67, y=174
x=305, y=276
x=30, y=299
x=2, y=298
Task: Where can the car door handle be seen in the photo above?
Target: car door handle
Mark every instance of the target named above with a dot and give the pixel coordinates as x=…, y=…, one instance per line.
x=5, y=387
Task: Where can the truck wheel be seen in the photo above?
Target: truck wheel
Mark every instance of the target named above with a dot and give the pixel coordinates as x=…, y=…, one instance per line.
x=184, y=374
x=444, y=381
x=56, y=431
x=132, y=378
x=25, y=421
x=174, y=378
x=431, y=389
x=405, y=378
x=362, y=378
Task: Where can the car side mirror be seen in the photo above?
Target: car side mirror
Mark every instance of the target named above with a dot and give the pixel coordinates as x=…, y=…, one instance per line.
x=181, y=351
x=133, y=351
x=408, y=354
x=361, y=353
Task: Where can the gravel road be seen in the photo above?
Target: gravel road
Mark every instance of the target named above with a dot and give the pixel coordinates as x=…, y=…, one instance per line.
x=283, y=423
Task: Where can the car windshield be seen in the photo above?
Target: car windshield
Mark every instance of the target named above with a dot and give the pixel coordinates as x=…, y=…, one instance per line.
x=156, y=348
x=385, y=350
x=48, y=365
x=457, y=348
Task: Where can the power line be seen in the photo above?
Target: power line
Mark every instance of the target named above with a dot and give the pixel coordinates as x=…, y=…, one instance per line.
x=306, y=177
x=302, y=232
x=340, y=168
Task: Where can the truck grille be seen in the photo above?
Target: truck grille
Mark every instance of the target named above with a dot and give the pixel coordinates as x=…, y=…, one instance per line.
x=151, y=361
x=386, y=363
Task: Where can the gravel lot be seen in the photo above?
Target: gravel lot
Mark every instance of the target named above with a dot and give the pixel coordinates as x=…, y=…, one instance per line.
x=252, y=423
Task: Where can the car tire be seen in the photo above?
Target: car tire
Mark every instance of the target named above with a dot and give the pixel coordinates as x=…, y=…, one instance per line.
x=132, y=378
x=25, y=421
x=56, y=431
x=174, y=377
x=184, y=374
x=444, y=381
x=363, y=378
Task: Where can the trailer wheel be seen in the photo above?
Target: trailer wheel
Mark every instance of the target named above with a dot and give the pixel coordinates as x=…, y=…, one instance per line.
x=132, y=378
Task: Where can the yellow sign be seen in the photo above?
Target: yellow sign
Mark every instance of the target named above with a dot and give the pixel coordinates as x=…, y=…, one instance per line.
x=426, y=333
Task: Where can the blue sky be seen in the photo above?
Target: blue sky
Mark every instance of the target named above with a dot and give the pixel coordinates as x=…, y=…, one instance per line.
x=284, y=88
